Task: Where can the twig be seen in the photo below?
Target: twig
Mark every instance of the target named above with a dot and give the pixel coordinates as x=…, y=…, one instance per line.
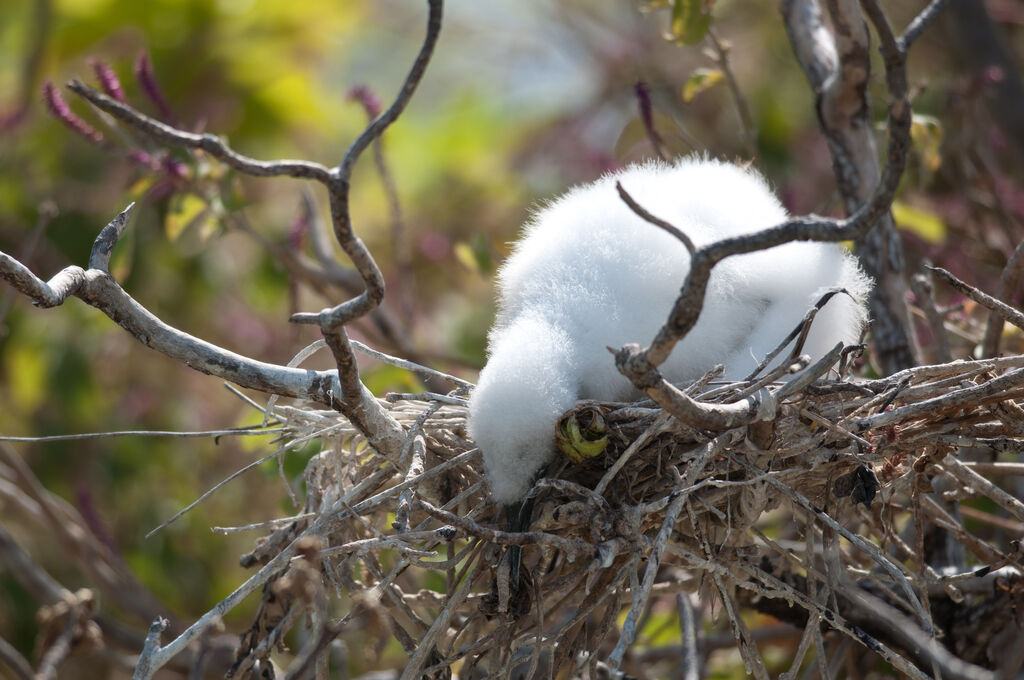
x=209, y=492
x=410, y=366
x=747, y=129
x=239, y=432
x=213, y=145
x=338, y=186
x=689, y=655
x=426, y=396
x=416, y=451
x=982, y=486
x=656, y=221
x=103, y=246
x=799, y=333
x=838, y=66
x=146, y=665
x=921, y=22
x=47, y=212
x=681, y=494
x=399, y=241
x=1008, y=282
x=269, y=524
x=1001, y=308
x=922, y=287
x=573, y=548
x=12, y=659
x=953, y=399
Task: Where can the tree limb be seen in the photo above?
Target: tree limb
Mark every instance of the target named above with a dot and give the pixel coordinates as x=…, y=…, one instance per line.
x=838, y=66
x=640, y=365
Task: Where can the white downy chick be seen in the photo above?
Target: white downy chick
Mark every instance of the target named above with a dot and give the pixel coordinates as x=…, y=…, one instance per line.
x=589, y=274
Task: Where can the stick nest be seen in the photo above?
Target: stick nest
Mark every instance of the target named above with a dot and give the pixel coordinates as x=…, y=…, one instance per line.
x=839, y=493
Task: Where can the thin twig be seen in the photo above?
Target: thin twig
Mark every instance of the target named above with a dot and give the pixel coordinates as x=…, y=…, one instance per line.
x=748, y=132
x=1008, y=282
x=213, y=145
x=173, y=434
x=1001, y=308
x=923, y=290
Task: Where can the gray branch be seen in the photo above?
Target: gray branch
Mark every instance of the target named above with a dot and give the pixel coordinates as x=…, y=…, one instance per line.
x=213, y=145
x=838, y=67
x=640, y=364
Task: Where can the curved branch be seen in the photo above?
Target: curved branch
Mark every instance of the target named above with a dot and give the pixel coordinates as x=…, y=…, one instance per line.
x=213, y=145
x=1008, y=282
x=103, y=246
x=97, y=288
x=338, y=190
x=639, y=366
x=838, y=66
x=921, y=22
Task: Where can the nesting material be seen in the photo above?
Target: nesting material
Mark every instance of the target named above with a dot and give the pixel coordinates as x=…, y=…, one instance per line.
x=751, y=517
x=589, y=273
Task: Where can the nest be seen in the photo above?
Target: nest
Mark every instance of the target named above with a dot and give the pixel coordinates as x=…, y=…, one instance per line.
x=819, y=518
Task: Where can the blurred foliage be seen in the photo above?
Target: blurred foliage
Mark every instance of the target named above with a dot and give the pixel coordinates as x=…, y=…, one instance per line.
x=496, y=126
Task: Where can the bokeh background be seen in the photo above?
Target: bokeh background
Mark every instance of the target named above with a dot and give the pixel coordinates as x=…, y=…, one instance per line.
x=522, y=100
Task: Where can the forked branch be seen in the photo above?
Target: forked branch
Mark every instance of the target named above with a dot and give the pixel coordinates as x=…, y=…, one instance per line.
x=640, y=364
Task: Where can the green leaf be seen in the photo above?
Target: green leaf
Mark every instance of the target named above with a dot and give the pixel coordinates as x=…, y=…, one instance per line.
x=185, y=210
x=700, y=80
x=475, y=256
x=926, y=133
x=927, y=225
x=690, y=20
x=26, y=369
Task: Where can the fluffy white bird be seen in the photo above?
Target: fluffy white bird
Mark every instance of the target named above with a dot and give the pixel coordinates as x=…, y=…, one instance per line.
x=588, y=273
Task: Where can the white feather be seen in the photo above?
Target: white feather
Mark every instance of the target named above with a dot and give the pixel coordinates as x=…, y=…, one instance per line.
x=589, y=274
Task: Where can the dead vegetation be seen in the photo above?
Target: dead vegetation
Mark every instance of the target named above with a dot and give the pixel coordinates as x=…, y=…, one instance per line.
x=879, y=515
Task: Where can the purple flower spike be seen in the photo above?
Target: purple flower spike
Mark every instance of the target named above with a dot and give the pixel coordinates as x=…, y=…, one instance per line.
x=60, y=109
x=147, y=79
x=298, y=231
x=643, y=98
x=174, y=168
x=365, y=96
x=143, y=158
x=11, y=120
x=108, y=80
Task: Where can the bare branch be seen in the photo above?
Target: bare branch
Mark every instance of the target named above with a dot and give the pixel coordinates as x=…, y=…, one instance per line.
x=838, y=66
x=42, y=293
x=656, y=221
x=949, y=400
x=923, y=291
x=12, y=659
x=1001, y=308
x=338, y=191
x=921, y=23
x=638, y=365
x=98, y=289
x=721, y=57
x=213, y=145
x=32, y=577
x=1008, y=282
x=681, y=495
x=103, y=246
